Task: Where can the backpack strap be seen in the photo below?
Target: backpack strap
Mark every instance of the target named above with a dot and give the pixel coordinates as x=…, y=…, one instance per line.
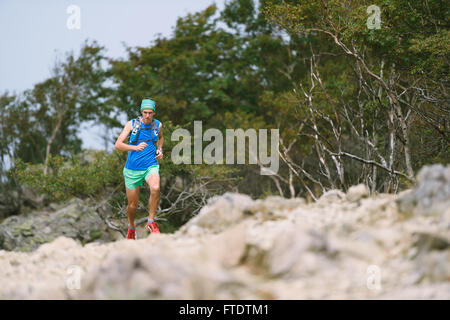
x=154, y=126
x=136, y=123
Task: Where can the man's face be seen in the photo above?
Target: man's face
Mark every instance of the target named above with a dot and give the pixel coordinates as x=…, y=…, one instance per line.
x=147, y=115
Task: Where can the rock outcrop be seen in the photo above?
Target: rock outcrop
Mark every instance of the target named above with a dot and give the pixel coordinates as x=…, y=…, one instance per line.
x=432, y=193
x=76, y=220
x=9, y=203
x=14, y=202
x=344, y=246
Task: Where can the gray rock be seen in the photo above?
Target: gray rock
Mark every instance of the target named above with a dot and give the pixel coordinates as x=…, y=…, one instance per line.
x=76, y=220
x=31, y=199
x=431, y=195
x=221, y=212
x=274, y=207
x=9, y=204
x=426, y=241
x=434, y=266
x=357, y=192
x=332, y=196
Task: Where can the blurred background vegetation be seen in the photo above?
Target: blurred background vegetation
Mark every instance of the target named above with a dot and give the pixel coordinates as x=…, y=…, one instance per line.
x=353, y=104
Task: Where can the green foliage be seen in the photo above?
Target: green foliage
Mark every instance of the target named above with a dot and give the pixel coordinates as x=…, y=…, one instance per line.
x=414, y=35
x=409, y=52
x=73, y=177
x=7, y=102
x=50, y=114
x=203, y=70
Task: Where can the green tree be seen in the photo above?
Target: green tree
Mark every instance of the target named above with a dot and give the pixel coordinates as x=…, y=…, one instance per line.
x=387, y=94
x=51, y=113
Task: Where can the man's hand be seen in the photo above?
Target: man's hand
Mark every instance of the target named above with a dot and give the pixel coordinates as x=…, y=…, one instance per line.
x=159, y=154
x=141, y=146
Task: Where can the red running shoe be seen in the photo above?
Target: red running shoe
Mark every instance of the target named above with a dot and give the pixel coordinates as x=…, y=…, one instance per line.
x=131, y=234
x=152, y=227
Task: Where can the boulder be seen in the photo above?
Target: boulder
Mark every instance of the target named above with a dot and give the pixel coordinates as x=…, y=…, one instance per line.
x=274, y=207
x=282, y=248
x=357, y=192
x=331, y=196
x=431, y=194
x=221, y=212
x=31, y=199
x=76, y=220
x=9, y=204
x=425, y=241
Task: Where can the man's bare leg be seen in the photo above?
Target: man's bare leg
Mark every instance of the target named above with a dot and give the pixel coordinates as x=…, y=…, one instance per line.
x=153, y=201
x=133, y=200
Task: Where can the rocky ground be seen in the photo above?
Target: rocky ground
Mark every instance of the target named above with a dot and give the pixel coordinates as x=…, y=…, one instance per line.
x=344, y=246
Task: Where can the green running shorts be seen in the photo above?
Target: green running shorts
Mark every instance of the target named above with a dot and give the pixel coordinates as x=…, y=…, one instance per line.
x=134, y=178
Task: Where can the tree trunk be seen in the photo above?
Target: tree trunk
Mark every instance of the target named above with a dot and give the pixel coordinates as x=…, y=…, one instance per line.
x=51, y=140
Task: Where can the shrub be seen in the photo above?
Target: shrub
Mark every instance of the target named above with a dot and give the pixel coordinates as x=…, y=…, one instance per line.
x=73, y=177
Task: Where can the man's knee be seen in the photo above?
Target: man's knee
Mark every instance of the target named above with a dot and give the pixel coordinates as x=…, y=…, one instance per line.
x=132, y=205
x=154, y=188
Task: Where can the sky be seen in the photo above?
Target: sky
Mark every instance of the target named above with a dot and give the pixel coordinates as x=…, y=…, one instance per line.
x=34, y=33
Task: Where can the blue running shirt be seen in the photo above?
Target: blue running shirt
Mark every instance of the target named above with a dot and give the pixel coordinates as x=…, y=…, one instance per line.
x=142, y=160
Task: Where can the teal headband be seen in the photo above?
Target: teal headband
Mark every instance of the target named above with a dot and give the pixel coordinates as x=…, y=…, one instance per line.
x=148, y=104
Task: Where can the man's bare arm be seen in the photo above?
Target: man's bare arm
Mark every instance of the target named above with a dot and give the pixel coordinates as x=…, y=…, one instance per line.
x=121, y=145
x=159, y=153
x=161, y=137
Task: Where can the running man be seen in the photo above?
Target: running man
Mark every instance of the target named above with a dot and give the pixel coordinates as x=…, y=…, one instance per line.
x=142, y=163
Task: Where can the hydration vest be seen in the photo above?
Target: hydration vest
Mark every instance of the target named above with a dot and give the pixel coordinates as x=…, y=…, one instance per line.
x=134, y=134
